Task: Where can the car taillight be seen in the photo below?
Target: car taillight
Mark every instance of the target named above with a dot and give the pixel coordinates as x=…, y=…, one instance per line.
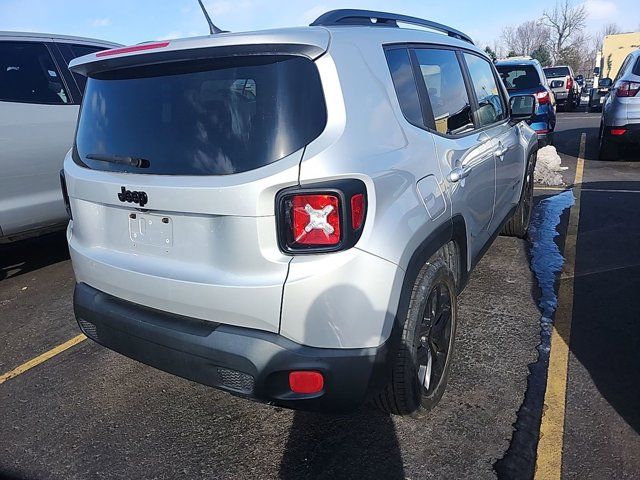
x=321, y=218
x=618, y=131
x=543, y=97
x=628, y=89
x=569, y=83
x=65, y=194
x=316, y=219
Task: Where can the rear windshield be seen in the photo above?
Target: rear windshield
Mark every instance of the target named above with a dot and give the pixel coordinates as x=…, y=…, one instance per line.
x=210, y=117
x=519, y=77
x=555, y=72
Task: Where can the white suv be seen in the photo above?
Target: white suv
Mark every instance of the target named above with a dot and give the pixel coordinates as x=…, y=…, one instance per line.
x=289, y=215
x=39, y=103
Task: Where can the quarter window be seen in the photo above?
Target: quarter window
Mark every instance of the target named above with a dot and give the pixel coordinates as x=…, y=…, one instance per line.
x=490, y=102
x=28, y=75
x=446, y=90
x=405, y=85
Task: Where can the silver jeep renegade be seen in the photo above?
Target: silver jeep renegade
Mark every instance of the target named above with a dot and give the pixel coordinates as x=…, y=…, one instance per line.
x=289, y=215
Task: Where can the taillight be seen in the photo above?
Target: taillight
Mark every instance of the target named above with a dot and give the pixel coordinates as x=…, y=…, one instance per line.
x=322, y=217
x=65, y=194
x=543, y=97
x=618, y=131
x=628, y=89
x=569, y=83
x=316, y=219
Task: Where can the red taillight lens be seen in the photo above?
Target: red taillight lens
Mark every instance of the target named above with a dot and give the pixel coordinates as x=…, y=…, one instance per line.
x=306, y=382
x=628, y=89
x=543, y=97
x=316, y=219
x=569, y=83
x=357, y=211
x=618, y=131
x=132, y=48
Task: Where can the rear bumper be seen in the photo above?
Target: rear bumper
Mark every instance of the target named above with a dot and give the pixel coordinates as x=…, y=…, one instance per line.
x=631, y=135
x=242, y=361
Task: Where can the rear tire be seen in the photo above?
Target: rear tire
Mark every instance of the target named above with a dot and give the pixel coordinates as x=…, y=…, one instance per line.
x=518, y=225
x=609, y=151
x=423, y=361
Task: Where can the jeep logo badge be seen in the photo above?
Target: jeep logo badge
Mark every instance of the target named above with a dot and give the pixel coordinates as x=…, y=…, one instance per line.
x=133, y=197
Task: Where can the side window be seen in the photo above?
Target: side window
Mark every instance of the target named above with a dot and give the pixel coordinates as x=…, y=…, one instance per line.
x=405, y=85
x=623, y=68
x=636, y=67
x=28, y=75
x=446, y=90
x=491, y=106
x=79, y=51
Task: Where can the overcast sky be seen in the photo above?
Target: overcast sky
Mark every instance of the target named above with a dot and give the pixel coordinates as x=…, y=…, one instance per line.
x=134, y=21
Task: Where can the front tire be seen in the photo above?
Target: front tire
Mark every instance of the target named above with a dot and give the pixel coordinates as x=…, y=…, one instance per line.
x=423, y=361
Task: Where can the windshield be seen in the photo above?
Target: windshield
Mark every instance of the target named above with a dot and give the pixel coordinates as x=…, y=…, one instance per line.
x=519, y=77
x=210, y=117
x=555, y=72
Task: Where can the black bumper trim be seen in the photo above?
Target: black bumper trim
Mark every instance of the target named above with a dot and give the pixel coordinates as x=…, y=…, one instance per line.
x=242, y=361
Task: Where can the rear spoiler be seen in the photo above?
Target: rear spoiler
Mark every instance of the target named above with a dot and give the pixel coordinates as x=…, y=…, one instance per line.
x=310, y=43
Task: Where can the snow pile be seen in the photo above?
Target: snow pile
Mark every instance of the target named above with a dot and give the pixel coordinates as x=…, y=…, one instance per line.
x=548, y=167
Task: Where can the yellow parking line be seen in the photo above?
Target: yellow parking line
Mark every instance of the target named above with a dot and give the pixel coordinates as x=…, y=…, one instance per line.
x=549, y=459
x=34, y=362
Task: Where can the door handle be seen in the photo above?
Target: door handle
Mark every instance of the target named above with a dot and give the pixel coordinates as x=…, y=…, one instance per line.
x=459, y=173
x=500, y=151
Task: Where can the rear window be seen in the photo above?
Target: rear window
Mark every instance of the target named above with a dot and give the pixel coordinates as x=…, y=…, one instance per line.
x=555, y=72
x=519, y=77
x=211, y=117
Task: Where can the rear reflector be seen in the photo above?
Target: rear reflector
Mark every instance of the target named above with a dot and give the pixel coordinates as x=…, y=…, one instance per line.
x=618, y=131
x=357, y=211
x=306, y=382
x=316, y=219
x=133, y=48
x=544, y=130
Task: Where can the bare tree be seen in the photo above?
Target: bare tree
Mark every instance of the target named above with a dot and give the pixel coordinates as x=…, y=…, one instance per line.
x=526, y=37
x=610, y=29
x=566, y=23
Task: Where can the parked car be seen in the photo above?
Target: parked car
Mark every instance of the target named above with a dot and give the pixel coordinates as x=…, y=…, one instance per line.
x=598, y=95
x=39, y=101
x=564, y=86
x=525, y=77
x=297, y=246
x=620, y=124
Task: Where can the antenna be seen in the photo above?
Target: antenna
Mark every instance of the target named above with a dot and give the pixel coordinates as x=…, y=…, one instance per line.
x=212, y=28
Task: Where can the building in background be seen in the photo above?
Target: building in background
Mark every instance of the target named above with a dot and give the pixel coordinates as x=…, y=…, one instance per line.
x=615, y=49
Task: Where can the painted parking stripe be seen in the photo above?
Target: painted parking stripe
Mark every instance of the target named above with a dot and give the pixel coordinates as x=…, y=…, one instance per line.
x=549, y=458
x=34, y=362
x=602, y=190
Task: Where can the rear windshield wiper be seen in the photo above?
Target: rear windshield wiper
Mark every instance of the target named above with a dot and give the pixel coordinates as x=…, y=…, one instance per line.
x=119, y=159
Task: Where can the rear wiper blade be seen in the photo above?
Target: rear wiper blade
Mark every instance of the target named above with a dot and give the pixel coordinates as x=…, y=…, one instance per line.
x=119, y=159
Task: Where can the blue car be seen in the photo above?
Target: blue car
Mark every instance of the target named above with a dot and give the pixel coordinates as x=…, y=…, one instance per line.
x=524, y=76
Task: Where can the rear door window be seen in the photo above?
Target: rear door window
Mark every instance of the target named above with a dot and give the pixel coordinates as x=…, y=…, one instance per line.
x=206, y=117
x=446, y=90
x=28, y=74
x=519, y=77
x=71, y=51
x=491, y=107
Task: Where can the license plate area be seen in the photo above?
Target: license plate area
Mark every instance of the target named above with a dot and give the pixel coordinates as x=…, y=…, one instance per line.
x=155, y=230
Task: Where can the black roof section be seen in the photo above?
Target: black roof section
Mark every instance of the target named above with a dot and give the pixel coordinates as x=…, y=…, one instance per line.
x=382, y=19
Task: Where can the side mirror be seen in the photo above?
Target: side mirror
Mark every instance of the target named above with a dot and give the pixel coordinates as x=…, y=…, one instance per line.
x=605, y=83
x=556, y=84
x=523, y=107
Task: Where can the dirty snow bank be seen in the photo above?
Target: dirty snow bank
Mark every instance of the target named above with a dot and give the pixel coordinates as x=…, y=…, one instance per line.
x=548, y=167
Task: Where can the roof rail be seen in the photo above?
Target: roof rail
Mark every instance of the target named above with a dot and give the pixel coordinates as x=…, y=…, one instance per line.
x=382, y=19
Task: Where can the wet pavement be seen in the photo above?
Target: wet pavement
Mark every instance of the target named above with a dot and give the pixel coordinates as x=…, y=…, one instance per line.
x=91, y=413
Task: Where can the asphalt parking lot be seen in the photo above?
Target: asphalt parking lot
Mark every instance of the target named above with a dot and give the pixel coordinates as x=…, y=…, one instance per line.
x=90, y=413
